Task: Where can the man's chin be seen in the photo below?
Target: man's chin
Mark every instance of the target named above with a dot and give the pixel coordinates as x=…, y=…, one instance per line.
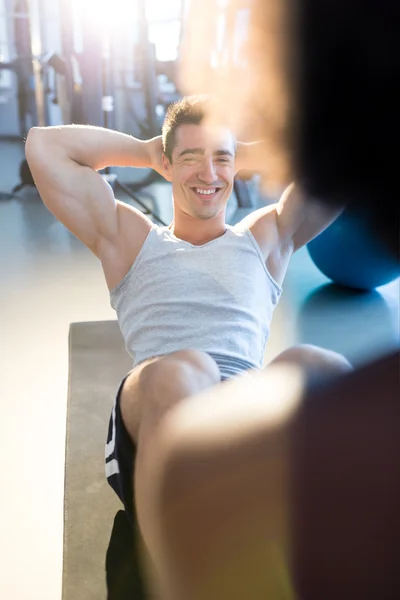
x=207, y=213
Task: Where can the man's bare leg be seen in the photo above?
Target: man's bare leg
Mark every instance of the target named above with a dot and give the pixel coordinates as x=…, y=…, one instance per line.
x=149, y=393
x=221, y=482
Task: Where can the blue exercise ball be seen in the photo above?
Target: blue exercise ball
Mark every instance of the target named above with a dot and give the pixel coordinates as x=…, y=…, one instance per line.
x=349, y=253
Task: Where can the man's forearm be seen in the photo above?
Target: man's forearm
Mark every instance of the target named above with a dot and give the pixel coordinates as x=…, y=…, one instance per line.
x=94, y=147
x=249, y=156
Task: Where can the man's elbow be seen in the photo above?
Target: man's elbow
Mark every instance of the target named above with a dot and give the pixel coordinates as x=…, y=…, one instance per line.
x=34, y=143
x=42, y=145
x=35, y=134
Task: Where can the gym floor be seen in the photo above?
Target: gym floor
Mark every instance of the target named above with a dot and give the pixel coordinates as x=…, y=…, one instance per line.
x=49, y=280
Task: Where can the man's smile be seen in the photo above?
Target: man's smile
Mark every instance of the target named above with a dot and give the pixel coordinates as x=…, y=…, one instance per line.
x=206, y=193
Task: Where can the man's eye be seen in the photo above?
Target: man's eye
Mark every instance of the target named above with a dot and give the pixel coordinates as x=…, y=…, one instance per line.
x=222, y=159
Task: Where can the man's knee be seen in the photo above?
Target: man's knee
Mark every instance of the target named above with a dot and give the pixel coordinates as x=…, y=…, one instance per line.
x=315, y=360
x=181, y=368
x=198, y=360
x=155, y=387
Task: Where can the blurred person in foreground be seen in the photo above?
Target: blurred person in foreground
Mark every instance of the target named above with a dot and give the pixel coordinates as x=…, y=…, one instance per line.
x=303, y=500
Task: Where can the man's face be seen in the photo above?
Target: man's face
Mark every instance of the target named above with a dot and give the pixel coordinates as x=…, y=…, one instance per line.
x=202, y=170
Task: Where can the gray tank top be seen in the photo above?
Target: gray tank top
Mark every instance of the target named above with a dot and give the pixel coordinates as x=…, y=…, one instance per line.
x=218, y=298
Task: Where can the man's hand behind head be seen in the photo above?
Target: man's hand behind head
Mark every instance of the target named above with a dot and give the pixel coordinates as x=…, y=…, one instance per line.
x=155, y=150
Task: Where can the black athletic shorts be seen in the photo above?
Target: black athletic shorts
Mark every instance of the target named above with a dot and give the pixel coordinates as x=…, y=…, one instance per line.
x=120, y=455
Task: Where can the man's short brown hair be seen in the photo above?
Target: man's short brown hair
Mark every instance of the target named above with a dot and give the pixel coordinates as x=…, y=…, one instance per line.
x=190, y=110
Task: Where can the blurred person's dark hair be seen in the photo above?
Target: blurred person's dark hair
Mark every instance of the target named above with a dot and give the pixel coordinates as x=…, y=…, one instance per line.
x=318, y=82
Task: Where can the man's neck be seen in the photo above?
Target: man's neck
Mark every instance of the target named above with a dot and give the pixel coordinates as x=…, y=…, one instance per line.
x=197, y=237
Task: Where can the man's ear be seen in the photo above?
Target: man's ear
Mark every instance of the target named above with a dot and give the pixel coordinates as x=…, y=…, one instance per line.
x=167, y=167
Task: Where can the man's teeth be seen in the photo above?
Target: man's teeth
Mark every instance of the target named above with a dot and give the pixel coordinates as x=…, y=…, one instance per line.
x=206, y=192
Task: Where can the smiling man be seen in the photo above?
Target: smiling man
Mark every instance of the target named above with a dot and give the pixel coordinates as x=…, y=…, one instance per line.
x=195, y=299
x=200, y=163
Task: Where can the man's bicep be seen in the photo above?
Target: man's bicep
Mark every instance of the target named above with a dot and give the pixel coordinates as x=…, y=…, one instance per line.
x=77, y=196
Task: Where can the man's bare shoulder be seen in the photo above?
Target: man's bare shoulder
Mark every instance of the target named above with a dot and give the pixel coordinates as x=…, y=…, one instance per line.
x=117, y=256
x=262, y=224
